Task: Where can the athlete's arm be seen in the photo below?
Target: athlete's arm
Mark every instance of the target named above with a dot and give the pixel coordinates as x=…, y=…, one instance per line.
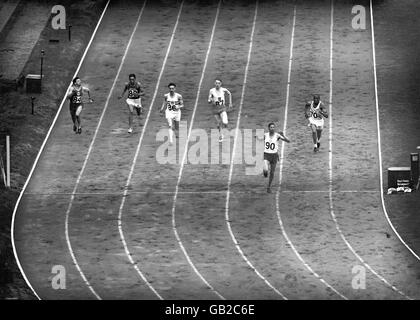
x=283, y=137
x=323, y=111
x=230, y=98
x=88, y=92
x=307, y=112
x=210, y=99
x=125, y=89
x=70, y=93
x=180, y=102
x=163, y=104
x=141, y=91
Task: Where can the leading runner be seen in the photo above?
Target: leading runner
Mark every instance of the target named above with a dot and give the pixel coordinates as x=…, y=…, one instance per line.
x=217, y=98
x=315, y=112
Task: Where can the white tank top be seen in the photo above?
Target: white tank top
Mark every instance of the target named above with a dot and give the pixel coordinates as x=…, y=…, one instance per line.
x=172, y=101
x=271, y=143
x=218, y=96
x=314, y=110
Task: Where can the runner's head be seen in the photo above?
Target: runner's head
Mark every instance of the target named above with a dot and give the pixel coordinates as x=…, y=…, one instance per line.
x=218, y=83
x=172, y=87
x=77, y=81
x=271, y=127
x=316, y=98
x=132, y=78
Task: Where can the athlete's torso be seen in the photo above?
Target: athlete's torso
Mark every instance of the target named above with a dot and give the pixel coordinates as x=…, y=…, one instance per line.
x=172, y=101
x=76, y=96
x=133, y=90
x=271, y=143
x=218, y=98
x=314, y=111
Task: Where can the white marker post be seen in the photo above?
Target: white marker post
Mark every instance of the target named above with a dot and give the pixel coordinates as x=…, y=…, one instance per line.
x=8, y=161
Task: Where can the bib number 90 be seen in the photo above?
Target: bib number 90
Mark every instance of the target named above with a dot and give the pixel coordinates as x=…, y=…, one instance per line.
x=270, y=146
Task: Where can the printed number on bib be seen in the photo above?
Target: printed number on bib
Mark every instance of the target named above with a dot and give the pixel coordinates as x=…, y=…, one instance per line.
x=171, y=106
x=77, y=99
x=132, y=93
x=219, y=102
x=270, y=146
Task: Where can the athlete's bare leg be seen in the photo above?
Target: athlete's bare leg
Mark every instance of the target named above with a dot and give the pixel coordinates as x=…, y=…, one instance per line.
x=318, y=132
x=176, y=125
x=170, y=130
x=73, y=118
x=219, y=121
x=270, y=178
x=78, y=120
x=130, y=117
x=266, y=168
x=314, y=136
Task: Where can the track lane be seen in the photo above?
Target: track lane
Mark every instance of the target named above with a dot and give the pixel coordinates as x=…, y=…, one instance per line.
x=354, y=89
x=54, y=171
x=308, y=222
x=164, y=260
x=200, y=218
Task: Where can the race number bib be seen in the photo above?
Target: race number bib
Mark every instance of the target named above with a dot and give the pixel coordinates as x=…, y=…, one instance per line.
x=132, y=93
x=77, y=98
x=219, y=102
x=171, y=105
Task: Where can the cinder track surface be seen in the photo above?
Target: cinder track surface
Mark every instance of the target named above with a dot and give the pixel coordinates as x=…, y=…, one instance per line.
x=167, y=235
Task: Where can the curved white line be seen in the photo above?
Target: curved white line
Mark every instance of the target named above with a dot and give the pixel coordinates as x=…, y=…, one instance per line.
x=232, y=235
x=331, y=202
x=183, y=161
x=379, y=140
x=42, y=149
x=120, y=211
x=281, y=172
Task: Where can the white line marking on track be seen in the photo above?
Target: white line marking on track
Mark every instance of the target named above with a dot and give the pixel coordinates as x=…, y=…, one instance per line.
x=337, y=226
x=42, y=149
x=120, y=211
x=281, y=171
x=88, y=155
x=184, y=158
x=238, y=247
x=379, y=139
x=110, y=193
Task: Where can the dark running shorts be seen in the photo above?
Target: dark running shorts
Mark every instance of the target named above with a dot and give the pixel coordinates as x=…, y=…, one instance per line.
x=271, y=157
x=73, y=107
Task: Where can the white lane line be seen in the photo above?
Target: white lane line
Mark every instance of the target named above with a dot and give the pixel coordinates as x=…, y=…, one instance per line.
x=110, y=193
x=281, y=172
x=379, y=140
x=87, y=158
x=232, y=235
x=174, y=228
x=120, y=211
x=42, y=149
x=337, y=226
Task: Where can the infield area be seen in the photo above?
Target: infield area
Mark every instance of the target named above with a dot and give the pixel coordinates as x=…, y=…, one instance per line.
x=125, y=226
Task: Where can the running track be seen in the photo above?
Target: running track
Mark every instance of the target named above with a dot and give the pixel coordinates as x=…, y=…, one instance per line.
x=126, y=227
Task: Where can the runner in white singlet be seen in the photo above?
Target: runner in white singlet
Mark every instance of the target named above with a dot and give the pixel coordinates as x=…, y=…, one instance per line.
x=315, y=112
x=218, y=99
x=271, y=148
x=172, y=105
